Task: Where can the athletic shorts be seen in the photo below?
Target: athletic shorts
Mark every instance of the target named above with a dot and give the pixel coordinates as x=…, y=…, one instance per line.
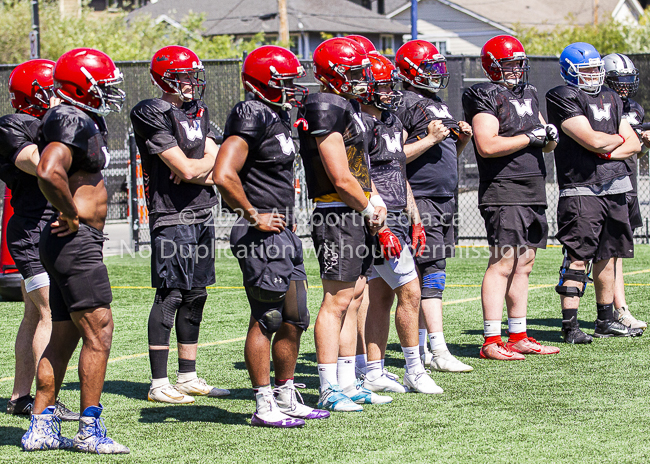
x=437, y=215
x=595, y=228
x=78, y=276
x=267, y=260
x=183, y=256
x=395, y=271
x=342, y=242
x=515, y=225
x=634, y=211
x=23, y=237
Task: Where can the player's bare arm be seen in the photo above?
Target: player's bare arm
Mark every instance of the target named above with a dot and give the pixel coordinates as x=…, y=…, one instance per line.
x=187, y=169
x=632, y=145
x=580, y=130
x=488, y=141
x=436, y=133
x=27, y=159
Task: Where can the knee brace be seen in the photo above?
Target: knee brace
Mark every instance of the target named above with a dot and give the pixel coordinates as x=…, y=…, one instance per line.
x=161, y=318
x=266, y=307
x=301, y=317
x=575, y=275
x=190, y=315
x=433, y=279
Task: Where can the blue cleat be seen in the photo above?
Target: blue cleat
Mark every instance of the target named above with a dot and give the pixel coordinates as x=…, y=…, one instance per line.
x=92, y=438
x=360, y=395
x=44, y=433
x=333, y=399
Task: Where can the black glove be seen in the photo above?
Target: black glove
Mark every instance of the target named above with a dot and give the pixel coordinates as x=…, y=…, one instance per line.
x=537, y=138
x=552, y=134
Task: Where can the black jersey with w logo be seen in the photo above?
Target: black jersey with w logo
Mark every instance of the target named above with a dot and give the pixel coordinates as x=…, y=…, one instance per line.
x=577, y=166
x=159, y=126
x=267, y=174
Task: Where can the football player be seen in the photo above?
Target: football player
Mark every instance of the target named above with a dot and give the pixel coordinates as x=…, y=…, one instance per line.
x=254, y=174
x=394, y=272
x=593, y=177
x=622, y=76
x=434, y=140
x=31, y=92
x=72, y=142
x=178, y=149
x=334, y=152
x=510, y=137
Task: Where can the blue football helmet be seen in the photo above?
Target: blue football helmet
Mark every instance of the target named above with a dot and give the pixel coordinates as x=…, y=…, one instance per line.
x=574, y=59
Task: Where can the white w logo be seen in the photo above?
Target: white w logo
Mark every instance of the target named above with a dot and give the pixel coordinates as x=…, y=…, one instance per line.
x=359, y=121
x=600, y=114
x=440, y=113
x=632, y=118
x=193, y=132
x=524, y=108
x=393, y=145
x=286, y=144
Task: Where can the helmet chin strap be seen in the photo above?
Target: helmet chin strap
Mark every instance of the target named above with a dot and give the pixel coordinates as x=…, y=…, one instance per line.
x=286, y=106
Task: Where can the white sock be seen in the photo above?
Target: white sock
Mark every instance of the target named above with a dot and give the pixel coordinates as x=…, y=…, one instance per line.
x=373, y=370
x=346, y=374
x=491, y=328
x=516, y=325
x=437, y=340
x=327, y=375
x=155, y=383
x=361, y=361
x=186, y=376
x=422, y=335
x=412, y=357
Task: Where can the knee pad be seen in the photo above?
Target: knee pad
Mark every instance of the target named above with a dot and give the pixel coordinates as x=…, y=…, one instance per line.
x=190, y=315
x=266, y=307
x=575, y=275
x=433, y=279
x=301, y=319
x=161, y=318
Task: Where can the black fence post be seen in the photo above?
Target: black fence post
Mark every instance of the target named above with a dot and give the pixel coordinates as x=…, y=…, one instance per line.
x=135, y=209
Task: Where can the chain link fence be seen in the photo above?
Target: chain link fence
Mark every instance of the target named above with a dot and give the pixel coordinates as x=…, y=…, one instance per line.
x=224, y=90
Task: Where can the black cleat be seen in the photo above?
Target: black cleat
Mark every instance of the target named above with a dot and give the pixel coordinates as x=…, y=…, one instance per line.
x=572, y=334
x=21, y=406
x=613, y=328
x=63, y=413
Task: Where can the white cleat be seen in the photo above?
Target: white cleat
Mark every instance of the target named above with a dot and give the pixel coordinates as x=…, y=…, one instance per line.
x=421, y=383
x=168, y=394
x=199, y=387
x=443, y=361
x=386, y=382
x=625, y=317
x=290, y=402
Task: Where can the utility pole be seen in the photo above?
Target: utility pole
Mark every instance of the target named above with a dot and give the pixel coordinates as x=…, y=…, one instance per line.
x=284, y=23
x=595, y=12
x=34, y=34
x=414, y=19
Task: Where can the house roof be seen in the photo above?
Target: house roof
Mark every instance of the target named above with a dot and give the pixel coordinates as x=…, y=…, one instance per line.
x=543, y=14
x=243, y=17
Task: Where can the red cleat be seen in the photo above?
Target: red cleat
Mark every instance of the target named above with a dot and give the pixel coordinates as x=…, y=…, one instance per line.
x=531, y=346
x=500, y=352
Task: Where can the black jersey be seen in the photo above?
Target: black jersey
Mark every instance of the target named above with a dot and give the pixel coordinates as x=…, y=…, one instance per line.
x=159, y=126
x=388, y=161
x=18, y=131
x=517, y=178
x=85, y=135
x=267, y=174
x=576, y=166
x=635, y=114
x=325, y=113
x=435, y=172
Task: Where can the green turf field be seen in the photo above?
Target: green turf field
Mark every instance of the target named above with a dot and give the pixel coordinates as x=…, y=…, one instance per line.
x=587, y=404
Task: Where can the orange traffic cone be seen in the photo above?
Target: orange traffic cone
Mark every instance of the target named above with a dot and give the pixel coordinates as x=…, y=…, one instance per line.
x=10, y=279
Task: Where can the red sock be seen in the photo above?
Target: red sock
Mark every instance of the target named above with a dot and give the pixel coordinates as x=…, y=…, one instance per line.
x=514, y=338
x=279, y=383
x=492, y=339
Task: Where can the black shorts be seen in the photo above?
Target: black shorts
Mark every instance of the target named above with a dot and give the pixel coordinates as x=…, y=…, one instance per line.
x=634, y=211
x=183, y=256
x=23, y=237
x=267, y=260
x=78, y=276
x=437, y=215
x=595, y=228
x=343, y=243
x=515, y=225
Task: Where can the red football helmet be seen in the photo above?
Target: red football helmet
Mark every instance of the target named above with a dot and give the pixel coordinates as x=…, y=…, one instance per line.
x=385, y=76
x=365, y=42
x=88, y=79
x=421, y=65
x=505, y=50
x=31, y=86
x=342, y=65
x=170, y=64
x=269, y=72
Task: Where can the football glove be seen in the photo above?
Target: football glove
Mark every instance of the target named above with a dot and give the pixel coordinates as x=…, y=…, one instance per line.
x=418, y=238
x=390, y=245
x=537, y=138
